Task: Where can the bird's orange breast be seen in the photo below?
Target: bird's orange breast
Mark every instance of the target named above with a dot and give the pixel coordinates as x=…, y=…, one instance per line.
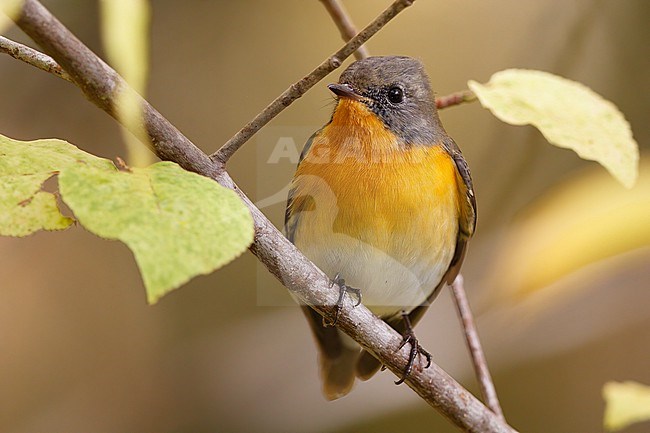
x=368, y=199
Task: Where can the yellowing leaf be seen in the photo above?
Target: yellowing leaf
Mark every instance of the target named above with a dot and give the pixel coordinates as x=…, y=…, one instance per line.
x=567, y=113
x=581, y=222
x=125, y=33
x=24, y=166
x=178, y=224
x=9, y=9
x=625, y=403
x=25, y=209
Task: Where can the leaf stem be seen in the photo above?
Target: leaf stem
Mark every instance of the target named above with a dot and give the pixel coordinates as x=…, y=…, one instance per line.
x=455, y=98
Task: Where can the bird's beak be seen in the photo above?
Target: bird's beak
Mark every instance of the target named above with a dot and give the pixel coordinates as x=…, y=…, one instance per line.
x=344, y=91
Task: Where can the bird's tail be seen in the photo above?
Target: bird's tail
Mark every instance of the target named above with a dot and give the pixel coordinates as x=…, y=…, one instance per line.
x=338, y=355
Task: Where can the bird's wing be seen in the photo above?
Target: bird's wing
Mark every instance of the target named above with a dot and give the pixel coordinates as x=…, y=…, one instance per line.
x=467, y=216
x=467, y=222
x=294, y=208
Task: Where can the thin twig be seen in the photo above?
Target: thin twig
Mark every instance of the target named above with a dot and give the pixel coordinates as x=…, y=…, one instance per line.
x=344, y=23
x=475, y=349
x=348, y=30
x=31, y=56
x=456, y=98
x=101, y=84
x=299, y=88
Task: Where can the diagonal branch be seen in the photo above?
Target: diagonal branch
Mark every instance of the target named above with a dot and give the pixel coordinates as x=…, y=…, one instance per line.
x=344, y=24
x=347, y=29
x=101, y=84
x=299, y=88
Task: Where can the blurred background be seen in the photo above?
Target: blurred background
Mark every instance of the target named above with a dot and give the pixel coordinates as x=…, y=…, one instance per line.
x=80, y=350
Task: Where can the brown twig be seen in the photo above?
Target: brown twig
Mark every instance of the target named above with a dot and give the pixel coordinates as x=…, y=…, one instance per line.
x=456, y=98
x=101, y=84
x=299, y=88
x=32, y=57
x=474, y=345
x=347, y=29
x=344, y=23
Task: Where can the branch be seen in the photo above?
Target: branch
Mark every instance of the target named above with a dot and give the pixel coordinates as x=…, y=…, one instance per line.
x=101, y=84
x=344, y=24
x=31, y=56
x=299, y=88
x=475, y=349
x=456, y=98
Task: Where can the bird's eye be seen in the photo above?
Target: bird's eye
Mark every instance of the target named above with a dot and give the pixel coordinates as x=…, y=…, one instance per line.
x=395, y=95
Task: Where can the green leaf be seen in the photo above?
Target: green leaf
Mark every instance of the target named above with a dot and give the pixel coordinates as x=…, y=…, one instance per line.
x=625, y=403
x=569, y=115
x=178, y=224
x=24, y=167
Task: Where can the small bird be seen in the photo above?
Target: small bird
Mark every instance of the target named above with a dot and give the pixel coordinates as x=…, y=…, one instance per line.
x=382, y=202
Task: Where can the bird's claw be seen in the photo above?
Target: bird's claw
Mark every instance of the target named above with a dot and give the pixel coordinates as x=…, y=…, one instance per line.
x=416, y=350
x=343, y=289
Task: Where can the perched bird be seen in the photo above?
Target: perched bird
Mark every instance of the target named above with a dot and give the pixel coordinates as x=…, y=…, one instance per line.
x=382, y=202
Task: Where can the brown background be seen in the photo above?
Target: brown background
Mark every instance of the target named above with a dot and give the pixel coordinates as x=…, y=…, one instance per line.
x=81, y=351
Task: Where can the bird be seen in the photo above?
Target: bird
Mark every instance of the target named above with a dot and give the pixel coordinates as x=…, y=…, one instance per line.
x=382, y=202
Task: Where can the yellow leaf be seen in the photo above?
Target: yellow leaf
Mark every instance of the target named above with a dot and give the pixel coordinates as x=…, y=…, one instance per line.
x=568, y=114
x=9, y=9
x=581, y=222
x=125, y=33
x=625, y=403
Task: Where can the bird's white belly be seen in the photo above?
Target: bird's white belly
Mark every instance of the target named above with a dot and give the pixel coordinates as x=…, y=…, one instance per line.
x=388, y=284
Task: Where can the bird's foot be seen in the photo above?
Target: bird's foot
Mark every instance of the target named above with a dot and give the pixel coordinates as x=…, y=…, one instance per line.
x=343, y=289
x=416, y=349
